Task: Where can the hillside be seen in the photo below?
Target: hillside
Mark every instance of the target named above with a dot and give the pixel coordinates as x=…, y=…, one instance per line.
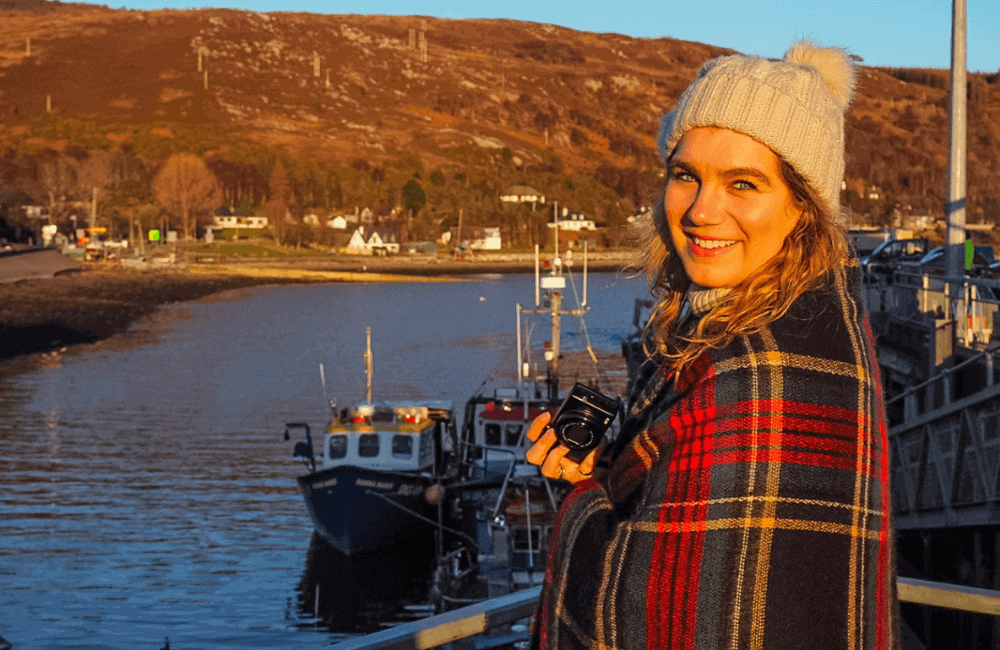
x=491, y=103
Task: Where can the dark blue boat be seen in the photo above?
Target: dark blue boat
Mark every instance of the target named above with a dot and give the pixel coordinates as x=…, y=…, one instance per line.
x=372, y=484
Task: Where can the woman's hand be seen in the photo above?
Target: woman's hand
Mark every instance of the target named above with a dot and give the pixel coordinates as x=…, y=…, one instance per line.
x=552, y=456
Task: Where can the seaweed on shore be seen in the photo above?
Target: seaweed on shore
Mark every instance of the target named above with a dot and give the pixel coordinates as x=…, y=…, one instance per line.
x=47, y=314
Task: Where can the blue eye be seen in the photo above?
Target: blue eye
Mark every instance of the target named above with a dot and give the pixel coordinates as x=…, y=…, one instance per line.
x=744, y=185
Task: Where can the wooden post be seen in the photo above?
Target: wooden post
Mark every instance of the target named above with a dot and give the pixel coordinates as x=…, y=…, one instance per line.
x=27, y=46
x=328, y=77
x=205, y=80
x=546, y=137
x=413, y=39
x=48, y=103
x=316, y=64
x=200, y=51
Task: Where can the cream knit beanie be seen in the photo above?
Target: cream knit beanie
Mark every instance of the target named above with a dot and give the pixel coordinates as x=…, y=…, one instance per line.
x=795, y=106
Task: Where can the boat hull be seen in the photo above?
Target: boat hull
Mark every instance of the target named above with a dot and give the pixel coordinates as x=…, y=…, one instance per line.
x=359, y=510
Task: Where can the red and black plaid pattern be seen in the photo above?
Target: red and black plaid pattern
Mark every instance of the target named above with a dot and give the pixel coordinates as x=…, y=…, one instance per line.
x=747, y=505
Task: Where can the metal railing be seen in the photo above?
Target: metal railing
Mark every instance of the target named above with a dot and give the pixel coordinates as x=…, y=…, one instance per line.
x=476, y=619
x=450, y=626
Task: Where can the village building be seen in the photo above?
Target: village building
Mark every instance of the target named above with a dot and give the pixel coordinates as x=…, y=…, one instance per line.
x=238, y=222
x=338, y=222
x=315, y=216
x=383, y=242
x=523, y=194
x=574, y=221
x=378, y=241
x=477, y=238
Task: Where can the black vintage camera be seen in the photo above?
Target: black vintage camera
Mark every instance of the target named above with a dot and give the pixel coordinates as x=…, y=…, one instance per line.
x=583, y=419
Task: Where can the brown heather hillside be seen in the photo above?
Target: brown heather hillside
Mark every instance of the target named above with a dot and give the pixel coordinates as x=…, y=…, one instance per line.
x=497, y=102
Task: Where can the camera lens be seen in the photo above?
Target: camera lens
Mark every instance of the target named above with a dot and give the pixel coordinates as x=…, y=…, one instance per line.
x=577, y=430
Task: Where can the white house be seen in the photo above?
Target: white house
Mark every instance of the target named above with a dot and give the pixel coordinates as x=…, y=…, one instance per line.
x=232, y=221
x=337, y=223
x=358, y=244
x=575, y=221
x=522, y=194
x=479, y=238
x=383, y=240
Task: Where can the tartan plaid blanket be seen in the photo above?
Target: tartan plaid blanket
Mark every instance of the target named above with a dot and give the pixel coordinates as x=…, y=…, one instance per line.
x=747, y=501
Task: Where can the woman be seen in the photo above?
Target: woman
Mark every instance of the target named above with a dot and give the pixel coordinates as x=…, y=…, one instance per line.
x=745, y=502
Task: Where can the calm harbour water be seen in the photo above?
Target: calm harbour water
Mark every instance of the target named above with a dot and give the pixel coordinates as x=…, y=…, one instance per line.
x=145, y=489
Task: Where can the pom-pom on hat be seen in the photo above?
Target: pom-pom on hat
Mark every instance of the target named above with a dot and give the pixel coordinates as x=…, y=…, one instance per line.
x=795, y=106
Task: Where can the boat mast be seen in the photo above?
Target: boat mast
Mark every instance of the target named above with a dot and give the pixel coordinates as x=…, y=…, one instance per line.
x=553, y=284
x=368, y=362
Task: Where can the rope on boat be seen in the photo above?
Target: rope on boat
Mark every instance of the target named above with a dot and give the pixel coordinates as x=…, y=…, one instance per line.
x=474, y=543
x=583, y=326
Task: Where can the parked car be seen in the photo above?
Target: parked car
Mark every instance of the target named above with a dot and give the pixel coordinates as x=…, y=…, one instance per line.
x=887, y=255
x=934, y=261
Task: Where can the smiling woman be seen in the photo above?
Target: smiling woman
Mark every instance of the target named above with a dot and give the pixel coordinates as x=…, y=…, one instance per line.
x=745, y=501
x=727, y=207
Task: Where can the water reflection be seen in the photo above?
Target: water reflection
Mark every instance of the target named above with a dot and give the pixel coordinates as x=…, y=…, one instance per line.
x=354, y=594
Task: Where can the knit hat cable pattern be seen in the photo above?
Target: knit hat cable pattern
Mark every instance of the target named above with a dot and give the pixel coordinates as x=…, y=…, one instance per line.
x=795, y=106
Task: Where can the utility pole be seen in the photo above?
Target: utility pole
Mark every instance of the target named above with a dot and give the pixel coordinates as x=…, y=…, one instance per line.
x=93, y=209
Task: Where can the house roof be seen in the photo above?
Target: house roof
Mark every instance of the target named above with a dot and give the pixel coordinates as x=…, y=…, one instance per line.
x=522, y=190
x=231, y=211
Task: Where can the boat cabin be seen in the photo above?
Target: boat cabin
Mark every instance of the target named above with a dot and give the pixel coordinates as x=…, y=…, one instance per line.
x=495, y=429
x=385, y=435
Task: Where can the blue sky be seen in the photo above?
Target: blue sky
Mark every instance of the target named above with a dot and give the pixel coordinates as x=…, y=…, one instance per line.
x=910, y=33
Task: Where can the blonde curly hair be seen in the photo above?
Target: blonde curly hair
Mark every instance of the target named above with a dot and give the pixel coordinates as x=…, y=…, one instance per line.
x=815, y=247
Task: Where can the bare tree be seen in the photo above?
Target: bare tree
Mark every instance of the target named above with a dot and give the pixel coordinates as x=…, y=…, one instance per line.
x=277, y=202
x=186, y=185
x=94, y=174
x=57, y=177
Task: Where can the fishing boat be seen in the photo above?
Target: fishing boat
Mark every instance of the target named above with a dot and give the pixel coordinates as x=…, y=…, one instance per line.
x=376, y=479
x=508, y=506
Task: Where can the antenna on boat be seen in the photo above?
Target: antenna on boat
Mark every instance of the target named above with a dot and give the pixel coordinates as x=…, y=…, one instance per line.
x=553, y=284
x=331, y=402
x=368, y=362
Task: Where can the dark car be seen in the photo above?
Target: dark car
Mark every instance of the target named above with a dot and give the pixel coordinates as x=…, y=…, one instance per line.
x=887, y=255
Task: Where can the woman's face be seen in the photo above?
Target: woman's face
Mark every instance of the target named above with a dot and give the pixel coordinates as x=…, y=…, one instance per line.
x=727, y=205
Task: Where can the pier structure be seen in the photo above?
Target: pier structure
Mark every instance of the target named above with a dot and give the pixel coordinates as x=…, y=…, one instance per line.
x=938, y=345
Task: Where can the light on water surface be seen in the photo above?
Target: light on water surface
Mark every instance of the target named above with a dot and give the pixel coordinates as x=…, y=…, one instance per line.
x=145, y=489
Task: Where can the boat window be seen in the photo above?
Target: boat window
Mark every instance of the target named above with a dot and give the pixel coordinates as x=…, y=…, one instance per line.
x=493, y=434
x=338, y=446
x=426, y=448
x=513, y=434
x=368, y=445
x=383, y=415
x=402, y=446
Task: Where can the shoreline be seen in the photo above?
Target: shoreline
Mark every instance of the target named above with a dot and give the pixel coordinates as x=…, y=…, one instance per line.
x=45, y=314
